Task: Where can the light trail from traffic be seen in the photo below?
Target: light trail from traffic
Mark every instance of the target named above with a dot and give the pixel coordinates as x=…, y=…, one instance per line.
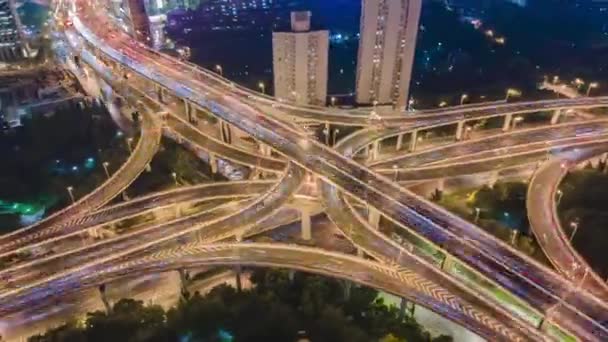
x=512, y=270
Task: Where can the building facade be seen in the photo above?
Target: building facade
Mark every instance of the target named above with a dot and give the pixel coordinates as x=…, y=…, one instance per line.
x=300, y=62
x=12, y=44
x=386, y=51
x=140, y=23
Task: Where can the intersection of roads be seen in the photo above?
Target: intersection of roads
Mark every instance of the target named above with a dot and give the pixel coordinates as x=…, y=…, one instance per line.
x=361, y=179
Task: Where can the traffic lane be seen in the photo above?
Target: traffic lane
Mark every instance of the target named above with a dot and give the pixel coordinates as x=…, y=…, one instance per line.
x=509, y=140
x=487, y=164
x=53, y=225
x=222, y=227
x=226, y=114
x=47, y=267
x=371, y=241
x=140, y=205
x=399, y=281
x=227, y=151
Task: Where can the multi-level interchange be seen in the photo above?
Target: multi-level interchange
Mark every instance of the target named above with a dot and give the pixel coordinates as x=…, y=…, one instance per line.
x=463, y=274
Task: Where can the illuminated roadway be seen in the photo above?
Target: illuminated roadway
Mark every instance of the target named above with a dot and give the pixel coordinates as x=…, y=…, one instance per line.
x=143, y=152
x=393, y=201
x=390, y=199
x=545, y=222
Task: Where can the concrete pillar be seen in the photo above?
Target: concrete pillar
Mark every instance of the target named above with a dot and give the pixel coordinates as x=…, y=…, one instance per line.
x=402, y=307
x=291, y=275
x=373, y=217
x=265, y=150
x=507, y=123
x=413, y=140
x=159, y=93
x=360, y=253
x=187, y=111
x=447, y=263
x=460, y=130
x=104, y=298
x=555, y=117
x=239, y=283
x=213, y=162
x=227, y=133
x=178, y=210
x=347, y=287
x=399, y=142
x=184, y=278
x=305, y=224
x=493, y=178
x=375, y=149
x=514, y=235
x=441, y=184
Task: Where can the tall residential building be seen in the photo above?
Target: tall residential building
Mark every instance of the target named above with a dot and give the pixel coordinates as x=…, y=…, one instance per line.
x=386, y=50
x=12, y=44
x=140, y=23
x=300, y=62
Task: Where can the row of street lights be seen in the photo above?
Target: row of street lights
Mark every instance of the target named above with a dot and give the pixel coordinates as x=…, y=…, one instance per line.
x=510, y=92
x=579, y=83
x=220, y=71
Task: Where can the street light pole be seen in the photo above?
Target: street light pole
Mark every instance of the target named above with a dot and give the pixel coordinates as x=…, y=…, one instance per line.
x=462, y=98
x=220, y=70
x=590, y=86
x=477, y=212
x=326, y=134
x=105, y=168
x=174, y=175
x=336, y=131
x=71, y=193
x=559, y=196
x=129, y=142
x=574, y=226
x=396, y=176
x=262, y=87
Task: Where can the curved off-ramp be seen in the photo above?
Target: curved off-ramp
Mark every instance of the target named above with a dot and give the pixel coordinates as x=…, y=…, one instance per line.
x=545, y=222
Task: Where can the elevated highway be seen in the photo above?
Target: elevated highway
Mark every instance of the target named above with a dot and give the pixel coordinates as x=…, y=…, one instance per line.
x=552, y=297
x=395, y=202
x=545, y=222
x=146, y=148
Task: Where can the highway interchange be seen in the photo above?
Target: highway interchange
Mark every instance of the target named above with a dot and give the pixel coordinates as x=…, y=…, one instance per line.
x=350, y=193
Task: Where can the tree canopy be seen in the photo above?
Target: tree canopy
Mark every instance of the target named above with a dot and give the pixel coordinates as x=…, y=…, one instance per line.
x=281, y=306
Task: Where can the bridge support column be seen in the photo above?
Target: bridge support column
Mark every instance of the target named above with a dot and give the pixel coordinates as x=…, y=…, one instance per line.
x=514, y=235
x=159, y=93
x=399, y=142
x=187, y=111
x=239, y=283
x=305, y=224
x=347, y=287
x=447, y=263
x=104, y=298
x=375, y=149
x=507, y=123
x=556, y=116
x=413, y=140
x=225, y=132
x=459, y=130
x=184, y=278
x=402, y=307
x=178, y=210
x=373, y=217
x=237, y=268
x=265, y=150
x=493, y=178
x=213, y=162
